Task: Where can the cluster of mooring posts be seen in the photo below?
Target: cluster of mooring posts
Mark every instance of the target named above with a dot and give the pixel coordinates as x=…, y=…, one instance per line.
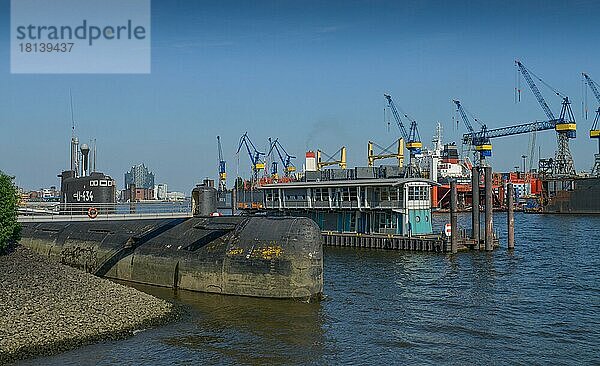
x=475, y=241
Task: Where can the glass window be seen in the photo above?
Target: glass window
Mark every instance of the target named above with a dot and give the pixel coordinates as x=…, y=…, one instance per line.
x=353, y=194
x=424, y=193
x=350, y=221
x=387, y=221
x=348, y=194
x=418, y=193
x=395, y=194
x=272, y=195
x=384, y=194
x=318, y=194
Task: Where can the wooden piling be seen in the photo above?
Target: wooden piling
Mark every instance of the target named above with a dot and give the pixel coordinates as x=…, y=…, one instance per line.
x=453, y=218
x=132, y=198
x=489, y=225
x=475, y=214
x=510, y=216
x=233, y=201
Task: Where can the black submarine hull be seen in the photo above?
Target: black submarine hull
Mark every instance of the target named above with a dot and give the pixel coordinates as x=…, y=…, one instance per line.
x=249, y=256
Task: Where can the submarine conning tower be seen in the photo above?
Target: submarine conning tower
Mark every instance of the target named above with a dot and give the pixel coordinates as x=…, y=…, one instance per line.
x=82, y=186
x=204, y=199
x=279, y=257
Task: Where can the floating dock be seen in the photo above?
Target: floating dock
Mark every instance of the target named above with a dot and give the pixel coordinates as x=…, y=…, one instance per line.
x=431, y=243
x=383, y=241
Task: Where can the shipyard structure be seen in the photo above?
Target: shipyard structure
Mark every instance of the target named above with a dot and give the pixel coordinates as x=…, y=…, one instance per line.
x=580, y=195
x=399, y=198
x=365, y=199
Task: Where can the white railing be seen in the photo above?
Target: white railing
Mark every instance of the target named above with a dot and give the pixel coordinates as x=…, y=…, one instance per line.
x=34, y=212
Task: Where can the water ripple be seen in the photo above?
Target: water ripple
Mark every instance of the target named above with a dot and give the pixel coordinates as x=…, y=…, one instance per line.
x=536, y=305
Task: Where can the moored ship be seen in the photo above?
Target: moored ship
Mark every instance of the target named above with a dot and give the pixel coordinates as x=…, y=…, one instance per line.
x=575, y=195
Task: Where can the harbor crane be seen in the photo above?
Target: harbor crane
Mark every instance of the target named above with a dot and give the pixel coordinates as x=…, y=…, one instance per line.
x=253, y=153
x=222, y=170
x=481, y=140
x=478, y=140
x=564, y=125
x=386, y=153
x=412, y=138
x=595, y=130
x=284, y=157
x=331, y=160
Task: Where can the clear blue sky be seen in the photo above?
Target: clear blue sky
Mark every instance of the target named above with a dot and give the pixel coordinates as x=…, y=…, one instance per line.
x=311, y=73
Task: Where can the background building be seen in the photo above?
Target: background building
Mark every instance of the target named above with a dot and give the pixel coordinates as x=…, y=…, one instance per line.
x=140, y=176
x=140, y=194
x=43, y=194
x=160, y=191
x=176, y=196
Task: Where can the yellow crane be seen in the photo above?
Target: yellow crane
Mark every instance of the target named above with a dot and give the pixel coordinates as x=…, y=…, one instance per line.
x=331, y=160
x=386, y=153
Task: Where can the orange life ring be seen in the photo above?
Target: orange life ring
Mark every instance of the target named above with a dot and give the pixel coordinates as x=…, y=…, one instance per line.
x=92, y=212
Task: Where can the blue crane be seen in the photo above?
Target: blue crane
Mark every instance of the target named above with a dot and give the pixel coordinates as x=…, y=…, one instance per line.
x=222, y=170
x=565, y=126
x=284, y=157
x=253, y=153
x=595, y=130
x=413, y=140
x=519, y=129
x=479, y=140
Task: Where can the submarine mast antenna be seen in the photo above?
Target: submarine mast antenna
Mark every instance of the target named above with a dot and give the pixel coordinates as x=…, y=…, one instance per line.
x=72, y=117
x=74, y=140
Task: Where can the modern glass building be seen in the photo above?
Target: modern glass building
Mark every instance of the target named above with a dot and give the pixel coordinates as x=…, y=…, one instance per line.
x=140, y=176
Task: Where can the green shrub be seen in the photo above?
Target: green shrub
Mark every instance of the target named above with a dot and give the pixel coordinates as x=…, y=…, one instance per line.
x=10, y=229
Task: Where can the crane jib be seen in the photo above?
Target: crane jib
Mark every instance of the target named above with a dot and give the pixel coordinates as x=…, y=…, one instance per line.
x=413, y=140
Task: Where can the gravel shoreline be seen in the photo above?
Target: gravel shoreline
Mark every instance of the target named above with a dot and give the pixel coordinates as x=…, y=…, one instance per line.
x=48, y=308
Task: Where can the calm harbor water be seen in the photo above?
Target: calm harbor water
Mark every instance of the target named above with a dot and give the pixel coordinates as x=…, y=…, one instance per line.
x=537, y=305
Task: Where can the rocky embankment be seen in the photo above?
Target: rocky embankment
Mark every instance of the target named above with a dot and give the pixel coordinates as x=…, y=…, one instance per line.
x=47, y=307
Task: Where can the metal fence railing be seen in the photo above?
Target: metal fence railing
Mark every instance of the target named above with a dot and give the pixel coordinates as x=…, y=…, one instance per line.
x=62, y=211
